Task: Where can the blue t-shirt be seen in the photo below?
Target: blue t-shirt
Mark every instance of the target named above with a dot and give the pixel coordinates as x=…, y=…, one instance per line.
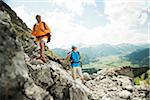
x=75, y=57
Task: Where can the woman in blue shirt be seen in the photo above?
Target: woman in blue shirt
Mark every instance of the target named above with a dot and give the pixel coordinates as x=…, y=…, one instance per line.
x=74, y=56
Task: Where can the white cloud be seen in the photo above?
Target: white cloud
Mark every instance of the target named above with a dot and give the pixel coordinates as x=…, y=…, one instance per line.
x=123, y=15
x=143, y=19
x=126, y=13
x=74, y=6
x=27, y=17
x=89, y=2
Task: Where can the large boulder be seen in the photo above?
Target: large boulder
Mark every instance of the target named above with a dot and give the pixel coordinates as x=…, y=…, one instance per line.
x=86, y=76
x=12, y=65
x=53, y=78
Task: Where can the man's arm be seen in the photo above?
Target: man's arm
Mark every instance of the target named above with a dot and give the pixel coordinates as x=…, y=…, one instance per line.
x=67, y=57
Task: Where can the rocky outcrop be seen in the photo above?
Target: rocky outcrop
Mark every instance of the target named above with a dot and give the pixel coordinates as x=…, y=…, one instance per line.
x=110, y=84
x=54, y=79
x=24, y=78
x=12, y=65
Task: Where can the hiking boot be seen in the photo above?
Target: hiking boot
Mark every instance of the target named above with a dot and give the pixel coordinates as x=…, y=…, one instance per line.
x=43, y=59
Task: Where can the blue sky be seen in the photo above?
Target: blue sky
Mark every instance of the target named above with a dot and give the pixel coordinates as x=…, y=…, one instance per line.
x=88, y=22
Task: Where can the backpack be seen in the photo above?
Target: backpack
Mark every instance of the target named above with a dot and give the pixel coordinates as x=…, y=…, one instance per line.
x=71, y=57
x=48, y=34
x=43, y=25
x=79, y=61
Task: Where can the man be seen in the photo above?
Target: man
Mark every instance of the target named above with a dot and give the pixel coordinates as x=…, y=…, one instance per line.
x=75, y=63
x=42, y=33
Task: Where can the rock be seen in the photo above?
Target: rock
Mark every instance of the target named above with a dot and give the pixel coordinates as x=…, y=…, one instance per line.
x=125, y=94
x=24, y=78
x=59, y=83
x=5, y=17
x=106, y=98
x=93, y=76
x=125, y=82
x=36, y=62
x=75, y=92
x=110, y=85
x=86, y=76
x=138, y=99
x=144, y=85
x=35, y=92
x=13, y=71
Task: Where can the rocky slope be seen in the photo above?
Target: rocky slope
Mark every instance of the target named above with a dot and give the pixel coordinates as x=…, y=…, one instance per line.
x=115, y=84
x=22, y=77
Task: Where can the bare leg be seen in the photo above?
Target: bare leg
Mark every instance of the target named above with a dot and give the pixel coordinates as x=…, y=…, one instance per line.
x=82, y=79
x=74, y=76
x=42, y=49
x=80, y=74
x=74, y=73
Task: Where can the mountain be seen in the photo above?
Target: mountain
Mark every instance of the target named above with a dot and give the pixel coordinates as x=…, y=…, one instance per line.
x=126, y=48
x=94, y=52
x=60, y=52
x=99, y=50
x=140, y=57
x=90, y=52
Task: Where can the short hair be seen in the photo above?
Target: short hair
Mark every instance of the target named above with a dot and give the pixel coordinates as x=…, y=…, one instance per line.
x=73, y=47
x=37, y=16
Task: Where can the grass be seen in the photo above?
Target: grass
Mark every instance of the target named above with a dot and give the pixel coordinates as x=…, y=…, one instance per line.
x=144, y=77
x=109, y=62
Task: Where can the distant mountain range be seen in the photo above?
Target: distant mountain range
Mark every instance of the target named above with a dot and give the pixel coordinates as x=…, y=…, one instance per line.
x=91, y=53
x=140, y=57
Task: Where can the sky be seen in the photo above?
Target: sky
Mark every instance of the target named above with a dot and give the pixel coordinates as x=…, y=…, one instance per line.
x=88, y=22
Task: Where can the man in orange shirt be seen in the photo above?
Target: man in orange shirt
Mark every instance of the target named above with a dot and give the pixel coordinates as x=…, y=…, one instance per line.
x=42, y=33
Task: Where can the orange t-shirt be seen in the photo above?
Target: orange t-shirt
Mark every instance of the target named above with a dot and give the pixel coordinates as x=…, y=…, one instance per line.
x=39, y=29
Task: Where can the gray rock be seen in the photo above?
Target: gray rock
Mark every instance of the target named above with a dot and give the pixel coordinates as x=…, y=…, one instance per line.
x=35, y=92
x=13, y=71
x=125, y=81
x=86, y=76
x=36, y=62
x=59, y=83
x=110, y=85
x=124, y=94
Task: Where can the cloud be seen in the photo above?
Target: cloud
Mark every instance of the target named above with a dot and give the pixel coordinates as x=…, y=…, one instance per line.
x=24, y=15
x=73, y=6
x=125, y=14
x=67, y=30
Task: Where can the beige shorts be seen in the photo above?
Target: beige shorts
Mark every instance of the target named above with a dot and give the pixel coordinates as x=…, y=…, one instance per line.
x=77, y=71
x=44, y=39
x=38, y=40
